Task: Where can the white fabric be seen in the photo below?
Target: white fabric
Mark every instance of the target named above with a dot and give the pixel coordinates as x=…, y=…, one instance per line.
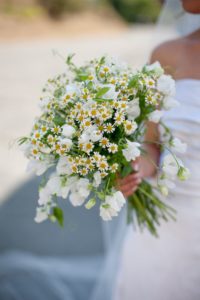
x=175, y=22
x=169, y=267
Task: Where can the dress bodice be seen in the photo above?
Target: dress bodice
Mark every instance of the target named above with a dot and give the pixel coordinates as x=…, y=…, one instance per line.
x=184, y=122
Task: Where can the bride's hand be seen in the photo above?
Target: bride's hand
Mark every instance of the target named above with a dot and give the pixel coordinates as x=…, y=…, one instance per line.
x=129, y=184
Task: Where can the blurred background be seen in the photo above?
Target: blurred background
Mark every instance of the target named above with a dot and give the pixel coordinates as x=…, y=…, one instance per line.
x=31, y=32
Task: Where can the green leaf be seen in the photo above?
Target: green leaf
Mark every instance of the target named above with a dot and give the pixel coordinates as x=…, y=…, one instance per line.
x=22, y=140
x=90, y=203
x=69, y=59
x=102, y=60
x=58, y=120
x=58, y=214
x=126, y=170
x=102, y=92
x=133, y=82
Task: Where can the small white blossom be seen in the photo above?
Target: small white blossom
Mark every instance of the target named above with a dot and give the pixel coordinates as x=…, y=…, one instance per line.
x=41, y=214
x=64, y=166
x=68, y=130
x=38, y=167
x=133, y=109
x=132, y=151
x=79, y=191
x=166, y=85
x=156, y=68
x=183, y=173
x=178, y=146
x=170, y=165
x=97, y=179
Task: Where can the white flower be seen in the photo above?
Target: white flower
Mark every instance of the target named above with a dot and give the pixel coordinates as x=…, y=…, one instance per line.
x=79, y=191
x=178, y=146
x=107, y=213
x=38, y=167
x=166, y=85
x=41, y=215
x=155, y=116
x=97, y=179
x=68, y=130
x=170, y=165
x=44, y=196
x=169, y=103
x=112, y=206
x=56, y=186
x=156, y=68
x=67, y=142
x=183, y=173
x=133, y=109
x=119, y=199
x=132, y=151
x=164, y=190
x=64, y=166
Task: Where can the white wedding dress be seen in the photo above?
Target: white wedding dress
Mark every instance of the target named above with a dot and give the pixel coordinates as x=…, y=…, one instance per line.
x=168, y=268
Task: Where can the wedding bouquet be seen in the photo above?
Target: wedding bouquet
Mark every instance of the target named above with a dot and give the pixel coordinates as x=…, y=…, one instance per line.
x=91, y=127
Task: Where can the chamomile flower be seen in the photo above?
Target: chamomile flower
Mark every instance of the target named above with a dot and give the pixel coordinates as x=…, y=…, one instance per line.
x=109, y=128
x=119, y=118
x=114, y=167
x=88, y=147
x=83, y=172
x=104, y=142
x=37, y=134
x=102, y=165
x=112, y=148
x=150, y=83
x=56, y=129
x=129, y=126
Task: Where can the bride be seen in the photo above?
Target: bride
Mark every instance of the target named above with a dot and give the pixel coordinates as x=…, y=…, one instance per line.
x=168, y=268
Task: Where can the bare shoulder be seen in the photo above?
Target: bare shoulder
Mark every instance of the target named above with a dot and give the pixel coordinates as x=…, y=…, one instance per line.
x=168, y=54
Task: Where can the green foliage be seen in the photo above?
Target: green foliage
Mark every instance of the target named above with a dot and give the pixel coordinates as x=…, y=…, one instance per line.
x=58, y=214
x=56, y=8
x=141, y=11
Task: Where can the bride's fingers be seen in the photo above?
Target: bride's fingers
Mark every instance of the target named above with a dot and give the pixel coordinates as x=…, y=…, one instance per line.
x=129, y=191
x=130, y=178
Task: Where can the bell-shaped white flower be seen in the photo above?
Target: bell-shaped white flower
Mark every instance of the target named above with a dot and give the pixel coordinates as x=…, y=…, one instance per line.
x=178, y=146
x=68, y=130
x=107, y=213
x=79, y=191
x=166, y=85
x=41, y=215
x=183, y=173
x=155, y=116
x=156, y=68
x=112, y=206
x=56, y=186
x=44, y=196
x=170, y=165
x=38, y=167
x=132, y=151
x=97, y=179
x=64, y=166
x=133, y=109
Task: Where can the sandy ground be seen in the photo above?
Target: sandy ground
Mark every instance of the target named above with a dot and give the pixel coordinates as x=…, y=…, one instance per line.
x=25, y=66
